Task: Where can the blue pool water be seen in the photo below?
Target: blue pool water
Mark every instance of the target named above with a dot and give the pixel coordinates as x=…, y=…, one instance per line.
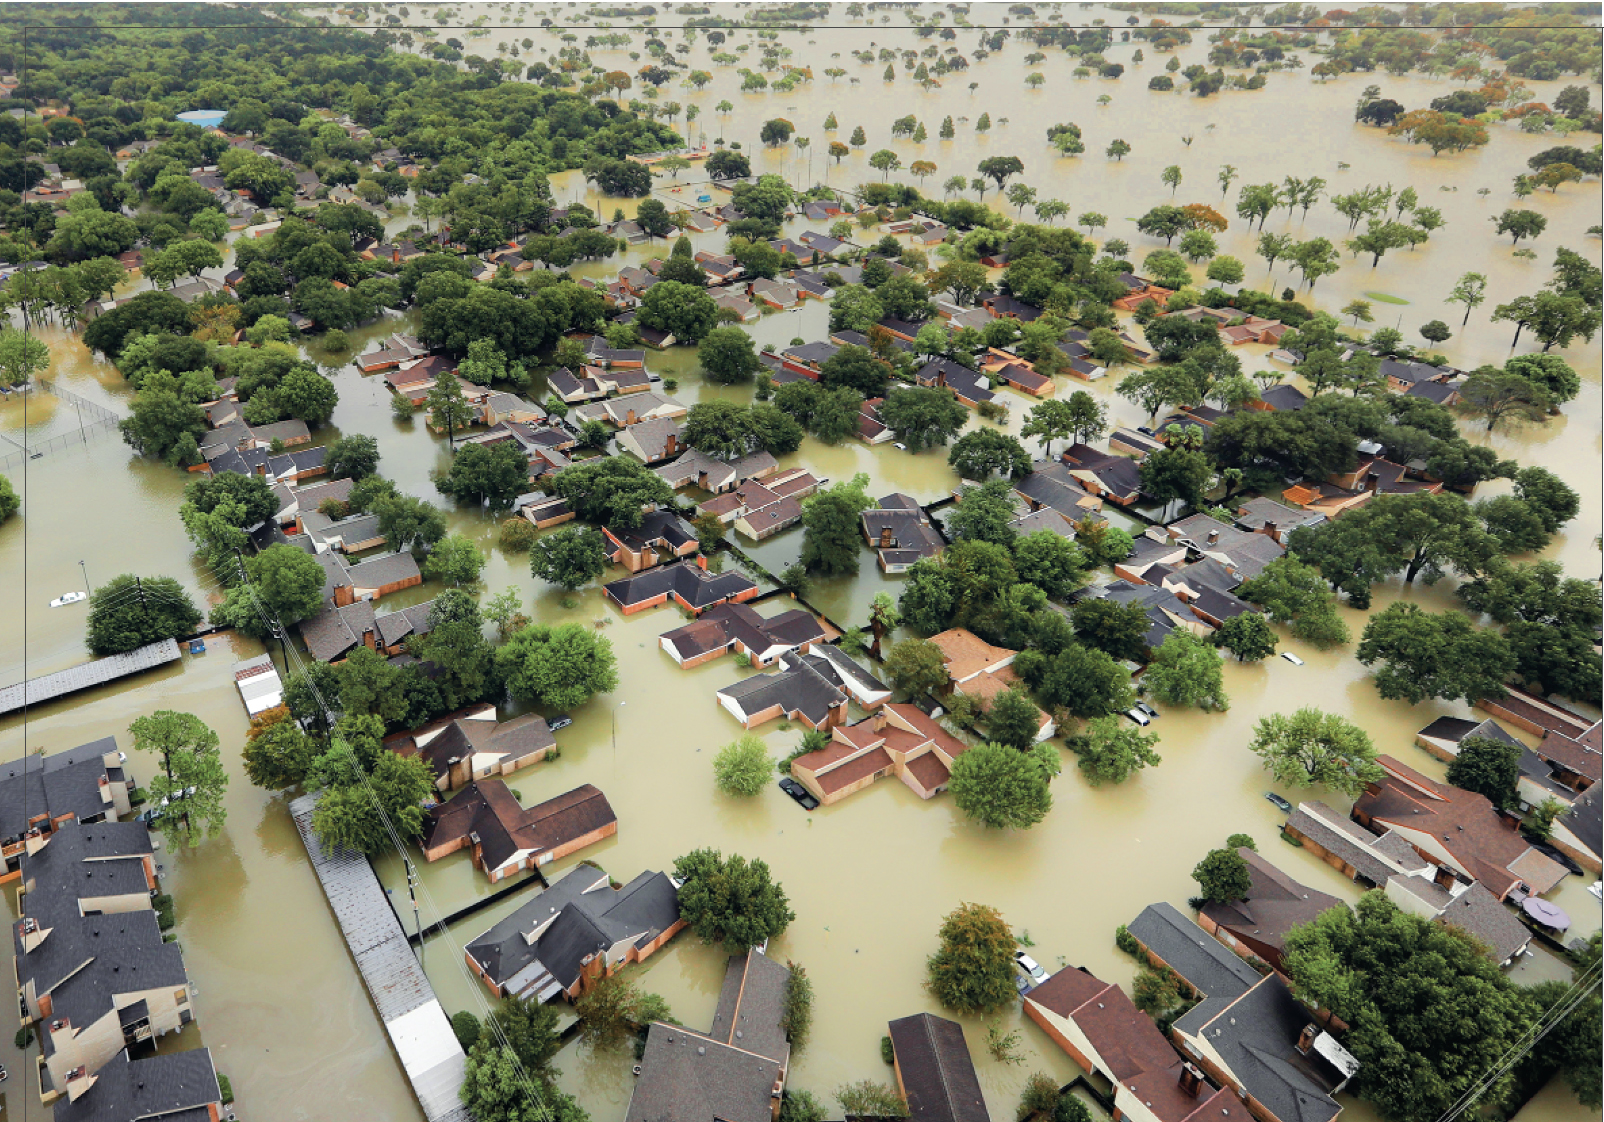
x=205, y=118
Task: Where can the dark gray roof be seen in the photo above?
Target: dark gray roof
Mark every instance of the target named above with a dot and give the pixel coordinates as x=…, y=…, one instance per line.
x=817, y=353
x=1257, y=1038
x=173, y=1087
x=68, y=781
x=78, y=861
x=1478, y=912
x=335, y=632
x=380, y=571
x=687, y=1077
x=1217, y=973
x=1583, y=820
x=806, y=684
x=937, y=1073
x=1284, y=398
x=84, y=962
x=750, y=1005
x=694, y=585
x=399, y=625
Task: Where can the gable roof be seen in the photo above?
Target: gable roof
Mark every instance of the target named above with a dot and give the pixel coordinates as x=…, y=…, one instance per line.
x=684, y=579
x=936, y=1071
x=1274, y=904
x=487, y=807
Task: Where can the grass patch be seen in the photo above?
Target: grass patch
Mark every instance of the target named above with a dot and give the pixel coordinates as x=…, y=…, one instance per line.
x=1385, y=298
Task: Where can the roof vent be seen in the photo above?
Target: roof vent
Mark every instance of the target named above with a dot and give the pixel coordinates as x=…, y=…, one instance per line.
x=700, y=1050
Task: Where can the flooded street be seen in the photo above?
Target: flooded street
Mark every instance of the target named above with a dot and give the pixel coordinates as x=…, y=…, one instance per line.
x=870, y=877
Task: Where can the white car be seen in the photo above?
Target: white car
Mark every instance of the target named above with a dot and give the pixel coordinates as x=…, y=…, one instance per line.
x=1139, y=717
x=899, y=446
x=68, y=598
x=1031, y=967
x=1292, y=658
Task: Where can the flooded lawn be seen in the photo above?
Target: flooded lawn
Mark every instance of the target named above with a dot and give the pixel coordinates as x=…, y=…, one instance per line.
x=870, y=877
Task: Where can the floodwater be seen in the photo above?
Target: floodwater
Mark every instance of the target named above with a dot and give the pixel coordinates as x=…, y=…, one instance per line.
x=869, y=878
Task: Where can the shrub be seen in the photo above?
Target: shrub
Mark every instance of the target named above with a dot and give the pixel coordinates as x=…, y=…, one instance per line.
x=887, y=1052
x=24, y=1038
x=742, y=767
x=1040, y=1097
x=335, y=341
x=1125, y=941
x=163, y=905
x=796, y=1018
x=467, y=1028
x=1237, y=841
x=225, y=1089
x=517, y=535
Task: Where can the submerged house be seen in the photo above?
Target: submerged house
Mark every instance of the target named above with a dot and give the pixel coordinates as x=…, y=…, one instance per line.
x=934, y=1073
x=982, y=671
x=1248, y=1032
x=899, y=740
x=738, y=627
x=505, y=838
x=1256, y=925
x=734, y=1072
x=900, y=533
x=812, y=688
x=580, y=929
x=477, y=746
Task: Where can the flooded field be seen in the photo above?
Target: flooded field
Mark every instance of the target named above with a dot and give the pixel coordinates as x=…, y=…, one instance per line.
x=871, y=877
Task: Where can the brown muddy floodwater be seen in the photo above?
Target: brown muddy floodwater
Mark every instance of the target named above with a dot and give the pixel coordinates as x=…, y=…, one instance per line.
x=869, y=878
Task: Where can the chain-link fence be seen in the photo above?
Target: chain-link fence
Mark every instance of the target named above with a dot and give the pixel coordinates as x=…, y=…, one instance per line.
x=94, y=420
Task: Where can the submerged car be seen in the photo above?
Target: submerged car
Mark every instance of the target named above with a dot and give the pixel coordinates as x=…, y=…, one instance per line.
x=1280, y=803
x=1138, y=716
x=560, y=721
x=801, y=794
x=1031, y=968
x=1292, y=658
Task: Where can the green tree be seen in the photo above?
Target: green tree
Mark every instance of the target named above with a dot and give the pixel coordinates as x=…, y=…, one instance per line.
x=486, y=474
x=454, y=560
x=129, y=612
x=831, y=522
x=1396, y=979
x=868, y=1099
x=353, y=457
x=558, y=667
x=923, y=417
x=1000, y=787
x=742, y=767
x=1520, y=224
x=1223, y=876
x=1498, y=396
x=1422, y=655
x=982, y=453
x=353, y=816
x=1248, y=636
x=972, y=971
x=917, y=667
x=1488, y=767
x=1310, y=747
x=1186, y=671
x=277, y=753
x=730, y=901
x=406, y=521
x=682, y=310
x=1111, y=750
x=448, y=408
x=1118, y=630
x=727, y=356
x=1012, y=719
x=1293, y=593
x=857, y=369
x=1085, y=683
x=188, y=792
x=612, y=1010
x=1470, y=290
x=22, y=357
x=570, y=557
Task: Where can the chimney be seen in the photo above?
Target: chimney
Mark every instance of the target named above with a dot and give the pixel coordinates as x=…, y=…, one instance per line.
x=885, y=537
x=1306, y=1038
x=671, y=445
x=1214, y=536
x=701, y=561
x=458, y=769
x=1191, y=1080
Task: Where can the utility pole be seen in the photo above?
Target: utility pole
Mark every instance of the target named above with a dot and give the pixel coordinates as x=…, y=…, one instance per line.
x=140, y=585
x=85, y=572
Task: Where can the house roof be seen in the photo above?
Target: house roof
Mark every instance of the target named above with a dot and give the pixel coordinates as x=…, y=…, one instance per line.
x=936, y=1071
x=66, y=782
x=687, y=1077
x=1471, y=830
x=1374, y=858
x=726, y=623
x=750, y=1005
x=1584, y=821
x=335, y=631
x=1256, y=1035
x=512, y=740
x=487, y=807
x=808, y=684
x=177, y=1086
x=967, y=654
x=1274, y=904
x=1477, y=912
x=1207, y=965
x=685, y=579
x=399, y=625
x=578, y=916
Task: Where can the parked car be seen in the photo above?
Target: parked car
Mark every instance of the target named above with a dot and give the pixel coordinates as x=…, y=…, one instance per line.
x=1031, y=967
x=560, y=721
x=1280, y=803
x=801, y=794
x=1292, y=658
x=1148, y=709
x=899, y=446
x=68, y=598
x=1139, y=717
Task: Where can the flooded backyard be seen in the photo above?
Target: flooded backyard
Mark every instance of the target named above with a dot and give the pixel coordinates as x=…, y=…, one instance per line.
x=871, y=877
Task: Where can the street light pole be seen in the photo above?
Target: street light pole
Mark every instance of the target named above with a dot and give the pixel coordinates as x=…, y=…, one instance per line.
x=85, y=572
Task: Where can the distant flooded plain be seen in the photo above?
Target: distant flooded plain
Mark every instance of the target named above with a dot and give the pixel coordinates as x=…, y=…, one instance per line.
x=871, y=877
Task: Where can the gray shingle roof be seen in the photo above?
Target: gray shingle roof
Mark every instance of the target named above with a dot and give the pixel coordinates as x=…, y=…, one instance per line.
x=172, y=1086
